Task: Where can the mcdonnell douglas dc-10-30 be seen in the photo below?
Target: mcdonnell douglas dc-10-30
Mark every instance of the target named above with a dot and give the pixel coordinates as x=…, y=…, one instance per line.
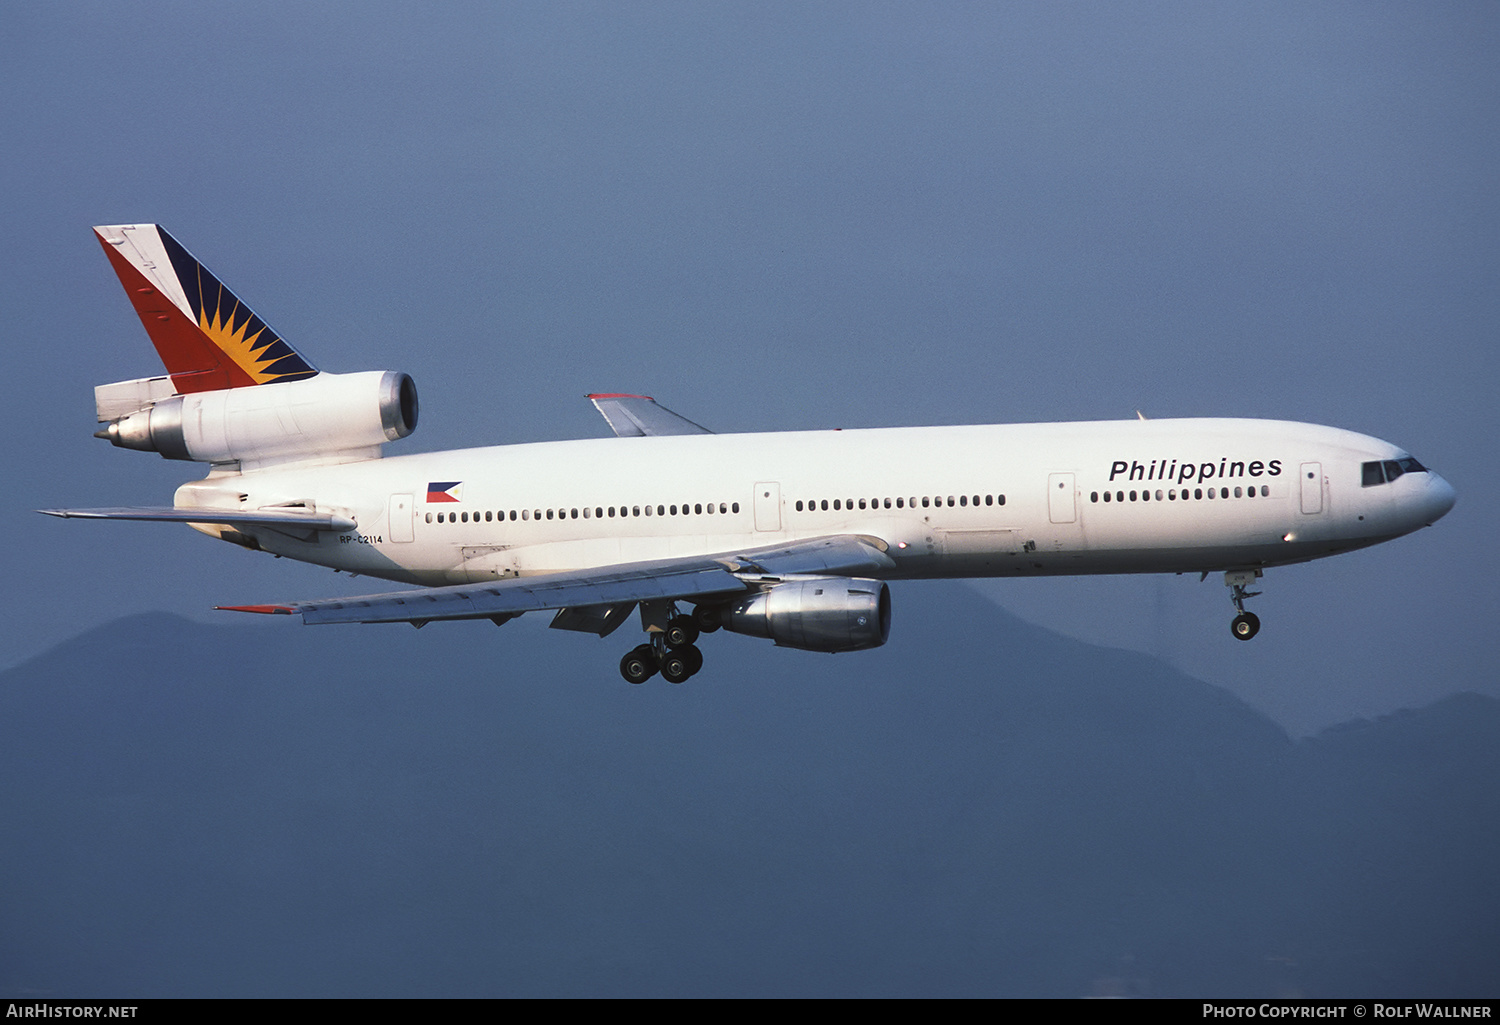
x=788, y=536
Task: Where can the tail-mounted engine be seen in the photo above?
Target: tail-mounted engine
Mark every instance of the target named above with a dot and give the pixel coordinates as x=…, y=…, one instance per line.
x=325, y=415
x=816, y=614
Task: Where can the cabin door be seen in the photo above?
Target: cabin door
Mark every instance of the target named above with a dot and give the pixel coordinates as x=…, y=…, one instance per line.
x=1060, y=498
x=768, y=506
x=399, y=520
x=1312, y=487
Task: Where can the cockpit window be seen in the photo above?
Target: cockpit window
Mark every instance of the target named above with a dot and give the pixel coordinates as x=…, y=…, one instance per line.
x=1383, y=472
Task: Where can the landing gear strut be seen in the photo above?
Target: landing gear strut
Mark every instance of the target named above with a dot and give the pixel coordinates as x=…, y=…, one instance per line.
x=1247, y=624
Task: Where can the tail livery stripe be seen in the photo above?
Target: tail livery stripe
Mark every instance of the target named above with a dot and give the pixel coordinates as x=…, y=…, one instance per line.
x=207, y=338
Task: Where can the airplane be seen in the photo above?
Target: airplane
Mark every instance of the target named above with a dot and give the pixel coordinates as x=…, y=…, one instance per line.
x=792, y=536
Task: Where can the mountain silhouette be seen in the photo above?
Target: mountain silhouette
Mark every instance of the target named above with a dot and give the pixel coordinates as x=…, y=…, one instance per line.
x=981, y=808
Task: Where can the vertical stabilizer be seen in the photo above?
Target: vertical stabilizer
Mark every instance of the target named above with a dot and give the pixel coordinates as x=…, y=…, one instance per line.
x=206, y=337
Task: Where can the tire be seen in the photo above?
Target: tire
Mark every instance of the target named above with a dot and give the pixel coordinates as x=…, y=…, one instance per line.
x=681, y=631
x=707, y=617
x=676, y=666
x=1245, y=626
x=638, y=665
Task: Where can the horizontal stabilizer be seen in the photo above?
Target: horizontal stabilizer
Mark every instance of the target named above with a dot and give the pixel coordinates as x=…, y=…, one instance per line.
x=281, y=518
x=638, y=416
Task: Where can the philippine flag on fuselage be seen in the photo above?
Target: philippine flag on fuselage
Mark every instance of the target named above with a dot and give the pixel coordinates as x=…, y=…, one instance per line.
x=445, y=491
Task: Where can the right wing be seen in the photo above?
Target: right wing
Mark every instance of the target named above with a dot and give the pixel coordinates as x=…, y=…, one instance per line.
x=593, y=593
x=637, y=416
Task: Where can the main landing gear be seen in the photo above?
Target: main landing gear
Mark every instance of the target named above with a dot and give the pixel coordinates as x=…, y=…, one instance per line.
x=671, y=650
x=1247, y=624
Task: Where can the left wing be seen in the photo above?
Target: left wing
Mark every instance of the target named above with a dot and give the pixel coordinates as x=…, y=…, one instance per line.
x=601, y=597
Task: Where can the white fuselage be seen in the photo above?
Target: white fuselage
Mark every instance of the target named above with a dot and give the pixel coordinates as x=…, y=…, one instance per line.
x=1018, y=499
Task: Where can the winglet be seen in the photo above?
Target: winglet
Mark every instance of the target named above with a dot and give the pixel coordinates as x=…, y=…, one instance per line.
x=205, y=336
x=637, y=416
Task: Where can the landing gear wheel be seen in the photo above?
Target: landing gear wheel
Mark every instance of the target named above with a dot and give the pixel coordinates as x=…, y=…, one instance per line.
x=707, y=618
x=1245, y=626
x=639, y=664
x=681, y=631
x=680, y=663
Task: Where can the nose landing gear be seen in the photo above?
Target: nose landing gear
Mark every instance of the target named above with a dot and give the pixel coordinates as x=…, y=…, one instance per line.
x=1247, y=624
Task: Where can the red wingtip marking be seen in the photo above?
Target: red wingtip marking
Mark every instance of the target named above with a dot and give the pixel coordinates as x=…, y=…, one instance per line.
x=265, y=610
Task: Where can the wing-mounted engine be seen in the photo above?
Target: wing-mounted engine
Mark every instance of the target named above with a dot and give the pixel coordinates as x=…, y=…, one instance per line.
x=816, y=614
x=328, y=415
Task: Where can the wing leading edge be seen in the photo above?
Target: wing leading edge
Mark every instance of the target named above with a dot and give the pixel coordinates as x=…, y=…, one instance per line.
x=591, y=592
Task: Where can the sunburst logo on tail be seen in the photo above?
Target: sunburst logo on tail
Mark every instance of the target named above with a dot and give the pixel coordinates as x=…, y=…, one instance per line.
x=233, y=327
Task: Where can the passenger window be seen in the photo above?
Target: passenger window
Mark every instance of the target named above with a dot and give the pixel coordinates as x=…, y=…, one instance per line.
x=736, y=506
x=429, y=517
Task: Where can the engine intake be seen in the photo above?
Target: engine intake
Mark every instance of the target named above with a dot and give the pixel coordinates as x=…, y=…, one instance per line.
x=816, y=614
x=322, y=415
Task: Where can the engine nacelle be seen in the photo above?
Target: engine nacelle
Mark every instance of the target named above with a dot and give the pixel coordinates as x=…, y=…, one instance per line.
x=322, y=415
x=816, y=614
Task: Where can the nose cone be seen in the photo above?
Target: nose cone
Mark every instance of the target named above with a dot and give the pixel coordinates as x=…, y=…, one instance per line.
x=1438, y=499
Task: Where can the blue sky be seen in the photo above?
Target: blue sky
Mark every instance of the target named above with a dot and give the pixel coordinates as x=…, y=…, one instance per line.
x=792, y=216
